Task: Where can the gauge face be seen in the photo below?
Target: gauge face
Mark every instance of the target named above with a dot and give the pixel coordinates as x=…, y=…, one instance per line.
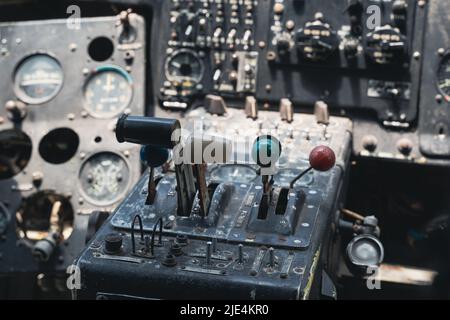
x=284, y=178
x=104, y=178
x=444, y=77
x=108, y=92
x=184, y=66
x=38, y=79
x=15, y=152
x=234, y=173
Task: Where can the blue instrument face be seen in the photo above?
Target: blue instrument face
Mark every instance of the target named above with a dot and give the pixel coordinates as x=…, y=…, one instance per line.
x=38, y=79
x=108, y=92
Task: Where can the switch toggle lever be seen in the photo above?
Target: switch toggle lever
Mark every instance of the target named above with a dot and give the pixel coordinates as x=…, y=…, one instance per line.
x=266, y=153
x=158, y=135
x=321, y=159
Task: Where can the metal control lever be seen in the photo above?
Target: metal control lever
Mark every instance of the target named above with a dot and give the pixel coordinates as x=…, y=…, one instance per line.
x=158, y=135
x=266, y=152
x=321, y=159
x=322, y=114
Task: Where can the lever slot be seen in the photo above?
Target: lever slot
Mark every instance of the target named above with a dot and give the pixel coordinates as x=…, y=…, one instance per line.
x=282, y=202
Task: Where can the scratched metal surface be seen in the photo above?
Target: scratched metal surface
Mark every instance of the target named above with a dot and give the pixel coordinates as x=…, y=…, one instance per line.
x=253, y=278
x=231, y=215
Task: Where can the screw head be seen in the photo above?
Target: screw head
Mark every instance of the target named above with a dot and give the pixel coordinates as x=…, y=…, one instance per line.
x=405, y=146
x=370, y=143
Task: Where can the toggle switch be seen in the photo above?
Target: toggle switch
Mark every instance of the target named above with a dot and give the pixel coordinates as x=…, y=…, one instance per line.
x=240, y=254
x=286, y=110
x=322, y=113
x=251, y=107
x=215, y=105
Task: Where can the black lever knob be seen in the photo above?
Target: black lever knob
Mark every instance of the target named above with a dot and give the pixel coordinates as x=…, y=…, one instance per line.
x=156, y=132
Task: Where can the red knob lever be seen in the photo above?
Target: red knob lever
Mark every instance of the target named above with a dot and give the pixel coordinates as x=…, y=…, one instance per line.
x=322, y=158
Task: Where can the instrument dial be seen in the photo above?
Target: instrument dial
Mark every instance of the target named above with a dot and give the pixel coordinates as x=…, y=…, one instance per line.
x=38, y=79
x=104, y=178
x=184, y=67
x=443, y=80
x=108, y=92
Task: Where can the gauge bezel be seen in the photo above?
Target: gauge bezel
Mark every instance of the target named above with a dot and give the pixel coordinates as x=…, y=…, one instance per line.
x=445, y=56
x=181, y=79
x=97, y=71
x=120, y=196
x=21, y=95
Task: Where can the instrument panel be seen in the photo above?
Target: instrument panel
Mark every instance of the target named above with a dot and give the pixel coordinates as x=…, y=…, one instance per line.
x=363, y=58
x=283, y=49
x=61, y=97
x=372, y=74
x=210, y=48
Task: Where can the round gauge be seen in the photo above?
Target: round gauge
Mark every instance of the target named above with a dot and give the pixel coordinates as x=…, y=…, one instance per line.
x=104, y=178
x=38, y=79
x=444, y=77
x=234, y=173
x=108, y=92
x=15, y=152
x=284, y=178
x=184, y=66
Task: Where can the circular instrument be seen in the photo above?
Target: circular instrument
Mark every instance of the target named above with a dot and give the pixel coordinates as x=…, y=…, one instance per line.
x=443, y=77
x=104, y=178
x=108, y=92
x=38, y=79
x=184, y=66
